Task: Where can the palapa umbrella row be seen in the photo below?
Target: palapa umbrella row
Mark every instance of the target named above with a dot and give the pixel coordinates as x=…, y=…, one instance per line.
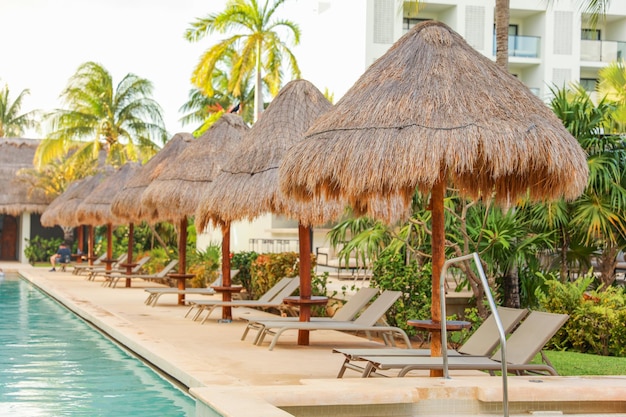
x=431, y=112
x=248, y=185
x=174, y=194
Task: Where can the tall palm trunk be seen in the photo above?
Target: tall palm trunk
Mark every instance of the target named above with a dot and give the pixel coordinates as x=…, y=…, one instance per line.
x=502, y=33
x=258, y=90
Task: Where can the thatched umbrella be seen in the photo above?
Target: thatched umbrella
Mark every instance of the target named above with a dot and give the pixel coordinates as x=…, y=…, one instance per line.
x=175, y=193
x=248, y=185
x=127, y=202
x=96, y=210
x=433, y=111
x=16, y=196
x=62, y=210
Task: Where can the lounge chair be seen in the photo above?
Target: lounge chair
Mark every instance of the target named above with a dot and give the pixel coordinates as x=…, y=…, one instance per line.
x=347, y=312
x=155, y=293
x=521, y=347
x=113, y=279
x=78, y=269
x=272, y=298
x=118, y=269
x=96, y=269
x=482, y=342
x=366, y=322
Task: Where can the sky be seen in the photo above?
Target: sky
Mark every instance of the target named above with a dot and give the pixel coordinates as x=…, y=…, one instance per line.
x=45, y=41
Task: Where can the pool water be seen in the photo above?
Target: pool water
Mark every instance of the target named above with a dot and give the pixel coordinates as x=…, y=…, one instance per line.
x=52, y=364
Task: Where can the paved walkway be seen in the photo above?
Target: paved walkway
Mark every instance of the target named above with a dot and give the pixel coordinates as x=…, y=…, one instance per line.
x=213, y=356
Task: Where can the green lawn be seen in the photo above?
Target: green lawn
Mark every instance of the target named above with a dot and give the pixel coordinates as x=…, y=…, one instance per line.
x=574, y=363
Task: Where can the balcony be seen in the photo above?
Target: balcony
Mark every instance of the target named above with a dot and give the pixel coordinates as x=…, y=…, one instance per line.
x=522, y=46
x=602, y=51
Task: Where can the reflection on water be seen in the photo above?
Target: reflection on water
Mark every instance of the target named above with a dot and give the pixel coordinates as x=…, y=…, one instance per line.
x=52, y=363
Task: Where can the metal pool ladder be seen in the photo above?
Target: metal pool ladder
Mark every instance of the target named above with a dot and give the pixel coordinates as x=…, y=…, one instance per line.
x=494, y=311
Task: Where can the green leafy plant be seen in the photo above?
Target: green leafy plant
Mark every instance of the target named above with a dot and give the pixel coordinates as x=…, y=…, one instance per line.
x=39, y=249
x=205, y=265
x=269, y=268
x=243, y=262
x=392, y=272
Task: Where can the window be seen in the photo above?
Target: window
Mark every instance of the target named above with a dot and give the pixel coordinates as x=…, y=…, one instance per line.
x=589, y=84
x=590, y=34
x=409, y=22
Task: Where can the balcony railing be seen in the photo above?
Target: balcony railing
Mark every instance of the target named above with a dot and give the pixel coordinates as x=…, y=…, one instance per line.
x=522, y=46
x=602, y=51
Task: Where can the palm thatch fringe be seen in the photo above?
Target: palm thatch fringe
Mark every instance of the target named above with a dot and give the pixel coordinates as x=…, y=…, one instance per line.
x=127, y=203
x=177, y=191
x=248, y=185
x=433, y=107
x=17, y=196
x=62, y=210
x=96, y=207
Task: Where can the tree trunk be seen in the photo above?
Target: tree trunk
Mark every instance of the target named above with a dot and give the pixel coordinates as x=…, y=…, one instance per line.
x=502, y=33
x=258, y=86
x=511, y=289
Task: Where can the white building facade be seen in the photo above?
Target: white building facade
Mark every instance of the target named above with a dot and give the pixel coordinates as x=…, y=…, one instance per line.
x=549, y=46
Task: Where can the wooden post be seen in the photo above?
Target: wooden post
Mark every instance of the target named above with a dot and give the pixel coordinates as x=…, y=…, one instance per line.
x=304, y=235
x=227, y=312
x=109, y=259
x=438, y=253
x=182, y=257
x=90, y=239
x=129, y=254
x=79, y=244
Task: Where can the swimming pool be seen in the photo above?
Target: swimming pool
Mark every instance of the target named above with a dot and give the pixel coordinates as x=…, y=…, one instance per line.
x=52, y=363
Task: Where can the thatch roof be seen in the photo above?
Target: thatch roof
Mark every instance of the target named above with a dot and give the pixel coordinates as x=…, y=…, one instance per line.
x=433, y=106
x=16, y=196
x=127, y=203
x=62, y=210
x=177, y=190
x=96, y=207
x=248, y=185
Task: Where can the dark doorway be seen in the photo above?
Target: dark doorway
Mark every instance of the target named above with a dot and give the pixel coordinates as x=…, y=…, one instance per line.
x=8, y=238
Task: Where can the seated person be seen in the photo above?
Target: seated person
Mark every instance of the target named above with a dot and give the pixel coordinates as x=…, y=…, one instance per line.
x=63, y=256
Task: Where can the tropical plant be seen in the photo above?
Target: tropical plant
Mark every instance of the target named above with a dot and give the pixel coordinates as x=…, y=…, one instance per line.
x=39, y=249
x=257, y=42
x=12, y=122
x=205, y=109
x=596, y=219
x=122, y=120
x=612, y=80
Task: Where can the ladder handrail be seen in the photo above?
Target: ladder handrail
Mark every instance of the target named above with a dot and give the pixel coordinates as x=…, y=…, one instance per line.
x=494, y=311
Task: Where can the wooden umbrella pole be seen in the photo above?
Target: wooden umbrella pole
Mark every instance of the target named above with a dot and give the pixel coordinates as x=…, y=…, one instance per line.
x=438, y=253
x=90, y=239
x=129, y=253
x=304, y=236
x=79, y=243
x=109, y=259
x=182, y=247
x=226, y=295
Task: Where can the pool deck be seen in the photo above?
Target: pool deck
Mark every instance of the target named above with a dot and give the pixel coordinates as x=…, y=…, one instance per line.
x=241, y=379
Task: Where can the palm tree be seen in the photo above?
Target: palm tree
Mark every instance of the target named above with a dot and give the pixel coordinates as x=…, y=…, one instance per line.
x=122, y=120
x=611, y=86
x=12, y=123
x=205, y=110
x=258, y=44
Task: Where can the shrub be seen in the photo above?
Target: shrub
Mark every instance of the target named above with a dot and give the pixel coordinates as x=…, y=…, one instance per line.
x=205, y=265
x=392, y=273
x=39, y=249
x=595, y=323
x=269, y=268
x=243, y=262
